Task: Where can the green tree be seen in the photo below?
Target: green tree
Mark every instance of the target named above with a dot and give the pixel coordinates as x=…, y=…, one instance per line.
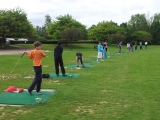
x=126, y=29
x=62, y=23
x=141, y=36
x=48, y=21
x=72, y=34
x=103, y=29
x=14, y=23
x=138, y=22
x=42, y=31
x=155, y=29
x=116, y=38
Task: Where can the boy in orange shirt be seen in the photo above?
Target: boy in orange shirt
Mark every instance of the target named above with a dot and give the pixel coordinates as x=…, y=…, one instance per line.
x=36, y=55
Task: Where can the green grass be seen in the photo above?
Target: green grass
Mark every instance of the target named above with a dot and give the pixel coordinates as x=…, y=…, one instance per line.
x=123, y=87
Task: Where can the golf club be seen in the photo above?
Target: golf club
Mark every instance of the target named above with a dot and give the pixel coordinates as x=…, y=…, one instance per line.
x=16, y=65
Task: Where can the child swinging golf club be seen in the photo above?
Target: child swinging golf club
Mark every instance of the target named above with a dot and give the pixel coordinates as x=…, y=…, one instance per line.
x=36, y=55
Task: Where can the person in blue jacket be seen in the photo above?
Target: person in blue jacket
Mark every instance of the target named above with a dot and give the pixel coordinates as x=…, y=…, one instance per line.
x=100, y=51
x=140, y=44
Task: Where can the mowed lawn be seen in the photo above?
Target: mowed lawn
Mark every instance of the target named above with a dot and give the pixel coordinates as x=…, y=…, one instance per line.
x=123, y=87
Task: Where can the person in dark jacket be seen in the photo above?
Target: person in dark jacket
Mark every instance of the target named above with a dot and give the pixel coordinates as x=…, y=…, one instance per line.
x=58, y=59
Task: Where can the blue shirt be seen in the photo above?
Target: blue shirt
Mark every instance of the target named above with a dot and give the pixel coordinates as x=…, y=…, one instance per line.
x=100, y=48
x=140, y=44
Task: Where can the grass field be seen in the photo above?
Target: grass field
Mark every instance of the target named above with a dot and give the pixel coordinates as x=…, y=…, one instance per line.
x=123, y=87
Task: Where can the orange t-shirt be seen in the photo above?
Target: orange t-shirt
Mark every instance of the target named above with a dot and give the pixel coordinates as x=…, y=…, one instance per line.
x=37, y=56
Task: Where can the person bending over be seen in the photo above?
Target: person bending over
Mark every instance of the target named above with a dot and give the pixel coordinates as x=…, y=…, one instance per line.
x=79, y=57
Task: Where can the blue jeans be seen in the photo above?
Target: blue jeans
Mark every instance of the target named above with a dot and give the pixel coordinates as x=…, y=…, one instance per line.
x=37, y=79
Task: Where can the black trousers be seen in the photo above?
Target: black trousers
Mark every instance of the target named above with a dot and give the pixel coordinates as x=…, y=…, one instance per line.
x=145, y=46
x=37, y=79
x=77, y=59
x=140, y=47
x=135, y=47
x=57, y=62
x=119, y=49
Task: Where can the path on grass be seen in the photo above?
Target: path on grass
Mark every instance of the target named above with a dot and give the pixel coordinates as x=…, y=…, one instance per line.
x=14, y=51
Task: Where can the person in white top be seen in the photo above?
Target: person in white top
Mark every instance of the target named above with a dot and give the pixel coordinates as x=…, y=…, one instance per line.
x=128, y=47
x=146, y=43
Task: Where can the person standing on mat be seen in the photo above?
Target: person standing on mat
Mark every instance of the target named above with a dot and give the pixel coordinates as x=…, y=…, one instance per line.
x=105, y=45
x=119, y=47
x=100, y=51
x=58, y=59
x=36, y=55
x=146, y=43
x=140, y=44
x=135, y=45
x=79, y=57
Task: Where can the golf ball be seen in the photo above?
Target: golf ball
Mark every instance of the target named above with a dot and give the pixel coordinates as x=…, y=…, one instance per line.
x=38, y=100
x=2, y=77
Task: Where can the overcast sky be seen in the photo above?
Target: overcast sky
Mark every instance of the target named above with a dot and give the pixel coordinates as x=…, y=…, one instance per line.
x=87, y=12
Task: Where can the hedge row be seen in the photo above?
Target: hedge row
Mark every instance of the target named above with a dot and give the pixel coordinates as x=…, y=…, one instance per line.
x=50, y=42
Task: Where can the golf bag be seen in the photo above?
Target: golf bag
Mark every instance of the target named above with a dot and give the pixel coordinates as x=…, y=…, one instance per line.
x=45, y=76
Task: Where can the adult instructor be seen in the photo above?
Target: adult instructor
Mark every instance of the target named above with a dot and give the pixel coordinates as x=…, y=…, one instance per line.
x=58, y=59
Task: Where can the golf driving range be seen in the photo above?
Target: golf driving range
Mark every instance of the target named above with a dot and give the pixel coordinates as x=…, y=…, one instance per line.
x=124, y=86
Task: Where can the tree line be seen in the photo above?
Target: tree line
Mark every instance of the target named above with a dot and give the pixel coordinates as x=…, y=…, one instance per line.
x=141, y=27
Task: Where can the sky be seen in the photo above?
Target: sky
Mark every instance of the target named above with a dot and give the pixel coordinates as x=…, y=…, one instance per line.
x=87, y=12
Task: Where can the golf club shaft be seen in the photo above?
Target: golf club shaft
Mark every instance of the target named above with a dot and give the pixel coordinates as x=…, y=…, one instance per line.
x=16, y=65
x=23, y=54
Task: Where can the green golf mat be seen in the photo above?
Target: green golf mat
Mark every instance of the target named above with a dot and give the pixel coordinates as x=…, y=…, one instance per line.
x=80, y=66
x=69, y=75
x=24, y=98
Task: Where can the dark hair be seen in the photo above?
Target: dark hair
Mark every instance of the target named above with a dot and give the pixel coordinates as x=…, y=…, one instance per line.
x=37, y=43
x=59, y=43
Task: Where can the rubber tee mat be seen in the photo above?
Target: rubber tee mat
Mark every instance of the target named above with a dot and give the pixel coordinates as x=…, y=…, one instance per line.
x=24, y=98
x=80, y=66
x=68, y=75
